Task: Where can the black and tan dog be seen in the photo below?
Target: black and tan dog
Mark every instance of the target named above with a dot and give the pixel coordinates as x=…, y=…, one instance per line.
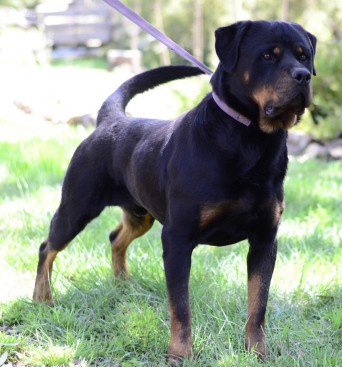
x=213, y=176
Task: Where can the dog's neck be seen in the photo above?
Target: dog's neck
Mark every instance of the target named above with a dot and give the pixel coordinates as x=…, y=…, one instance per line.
x=230, y=111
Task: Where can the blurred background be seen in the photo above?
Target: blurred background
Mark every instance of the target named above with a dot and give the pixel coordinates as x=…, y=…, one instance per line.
x=59, y=59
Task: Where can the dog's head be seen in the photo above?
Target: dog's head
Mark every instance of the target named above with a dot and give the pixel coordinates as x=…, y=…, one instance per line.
x=266, y=67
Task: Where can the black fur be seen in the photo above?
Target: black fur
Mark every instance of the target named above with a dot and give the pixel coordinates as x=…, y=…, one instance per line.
x=206, y=177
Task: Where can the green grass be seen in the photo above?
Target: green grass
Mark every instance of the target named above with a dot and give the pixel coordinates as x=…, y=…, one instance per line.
x=98, y=321
x=86, y=63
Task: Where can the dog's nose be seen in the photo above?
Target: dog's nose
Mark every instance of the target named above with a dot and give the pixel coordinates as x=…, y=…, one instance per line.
x=301, y=76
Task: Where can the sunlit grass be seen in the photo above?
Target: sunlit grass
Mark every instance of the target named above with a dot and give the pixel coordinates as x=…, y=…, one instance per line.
x=101, y=322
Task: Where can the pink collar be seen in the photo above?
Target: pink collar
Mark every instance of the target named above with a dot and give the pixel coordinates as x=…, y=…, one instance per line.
x=230, y=111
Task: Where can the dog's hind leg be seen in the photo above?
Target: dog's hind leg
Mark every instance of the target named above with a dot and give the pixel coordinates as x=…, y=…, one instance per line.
x=42, y=290
x=131, y=227
x=65, y=225
x=83, y=199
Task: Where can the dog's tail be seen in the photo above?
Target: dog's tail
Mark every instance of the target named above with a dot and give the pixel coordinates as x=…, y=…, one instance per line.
x=116, y=103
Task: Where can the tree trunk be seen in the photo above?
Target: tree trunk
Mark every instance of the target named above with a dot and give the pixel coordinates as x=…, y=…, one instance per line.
x=198, y=30
x=163, y=51
x=286, y=10
x=238, y=15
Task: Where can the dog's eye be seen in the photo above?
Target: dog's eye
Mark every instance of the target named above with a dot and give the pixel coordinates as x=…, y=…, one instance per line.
x=303, y=57
x=267, y=56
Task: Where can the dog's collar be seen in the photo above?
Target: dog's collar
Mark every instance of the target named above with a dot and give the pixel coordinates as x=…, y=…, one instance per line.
x=230, y=111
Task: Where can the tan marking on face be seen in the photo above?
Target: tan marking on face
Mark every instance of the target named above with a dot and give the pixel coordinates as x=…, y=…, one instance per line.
x=180, y=343
x=300, y=49
x=246, y=76
x=264, y=95
x=212, y=212
x=284, y=121
x=277, y=51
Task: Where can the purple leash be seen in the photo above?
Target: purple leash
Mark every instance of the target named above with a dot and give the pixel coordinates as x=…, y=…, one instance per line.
x=149, y=28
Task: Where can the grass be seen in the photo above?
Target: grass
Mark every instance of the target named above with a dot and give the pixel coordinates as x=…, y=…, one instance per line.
x=101, y=322
x=83, y=63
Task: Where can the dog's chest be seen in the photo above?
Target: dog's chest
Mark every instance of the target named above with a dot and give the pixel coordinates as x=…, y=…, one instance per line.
x=230, y=221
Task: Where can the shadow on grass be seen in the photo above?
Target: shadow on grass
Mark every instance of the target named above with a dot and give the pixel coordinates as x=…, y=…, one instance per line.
x=113, y=323
x=102, y=320
x=126, y=323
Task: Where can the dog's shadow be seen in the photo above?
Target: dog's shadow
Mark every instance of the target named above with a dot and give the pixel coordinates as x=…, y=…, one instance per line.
x=119, y=321
x=99, y=318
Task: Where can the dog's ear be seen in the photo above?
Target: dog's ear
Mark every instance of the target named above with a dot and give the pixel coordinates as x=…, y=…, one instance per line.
x=313, y=42
x=227, y=43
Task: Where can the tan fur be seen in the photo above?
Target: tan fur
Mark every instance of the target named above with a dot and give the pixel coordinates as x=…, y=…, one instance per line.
x=277, y=51
x=42, y=290
x=179, y=346
x=255, y=336
x=278, y=208
x=265, y=94
x=127, y=232
x=211, y=212
x=246, y=76
x=284, y=121
x=299, y=49
x=269, y=125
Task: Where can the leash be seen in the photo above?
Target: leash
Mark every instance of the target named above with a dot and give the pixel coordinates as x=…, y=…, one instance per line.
x=154, y=32
x=173, y=46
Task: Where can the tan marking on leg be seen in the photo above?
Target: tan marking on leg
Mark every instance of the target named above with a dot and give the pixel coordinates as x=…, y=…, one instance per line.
x=255, y=336
x=119, y=247
x=127, y=232
x=42, y=291
x=278, y=208
x=181, y=343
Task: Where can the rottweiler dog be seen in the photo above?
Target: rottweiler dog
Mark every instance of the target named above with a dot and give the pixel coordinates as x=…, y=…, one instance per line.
x=212, y=176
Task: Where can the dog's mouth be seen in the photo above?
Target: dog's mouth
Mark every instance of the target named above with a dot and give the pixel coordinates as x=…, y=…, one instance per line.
x=297, y=106
x=283, y=115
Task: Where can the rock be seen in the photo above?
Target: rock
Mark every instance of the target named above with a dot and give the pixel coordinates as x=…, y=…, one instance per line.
x=297, y=142
x=316, y=150
x=335, y=148
x=88, y=120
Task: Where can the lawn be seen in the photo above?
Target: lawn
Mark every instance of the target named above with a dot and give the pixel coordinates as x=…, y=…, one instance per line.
x=98, y=321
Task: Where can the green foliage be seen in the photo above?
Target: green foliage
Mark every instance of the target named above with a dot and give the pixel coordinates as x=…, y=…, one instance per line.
x=19, y=4
x=83, y=63
x=328, y=89
x=319, y=17
x=324, y=19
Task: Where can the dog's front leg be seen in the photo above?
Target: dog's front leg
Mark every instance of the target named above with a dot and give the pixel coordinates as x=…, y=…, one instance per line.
x=177, y=263
x=260, y=264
